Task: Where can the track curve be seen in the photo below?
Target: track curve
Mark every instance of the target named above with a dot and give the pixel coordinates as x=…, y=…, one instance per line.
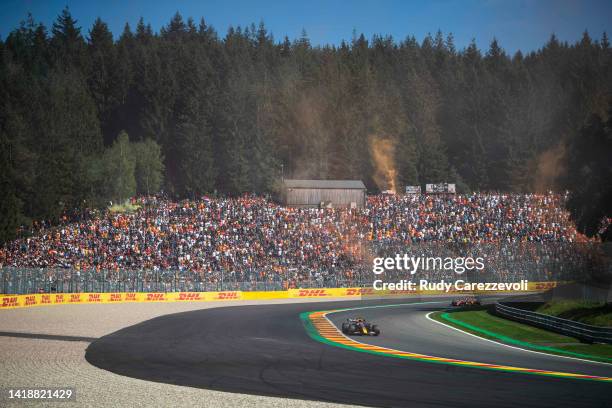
x=407, y=328
x=265, y=350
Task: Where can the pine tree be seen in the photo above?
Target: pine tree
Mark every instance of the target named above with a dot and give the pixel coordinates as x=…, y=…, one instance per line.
x=103, y=77
x=197, y=169
x=10, y=206
x=590, y=175
x=67, y=42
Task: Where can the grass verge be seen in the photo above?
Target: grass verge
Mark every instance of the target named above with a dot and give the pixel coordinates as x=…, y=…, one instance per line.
x=483, y=324
x=594, y=313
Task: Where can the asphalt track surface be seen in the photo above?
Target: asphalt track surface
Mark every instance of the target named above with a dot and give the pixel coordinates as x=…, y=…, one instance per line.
x=265, y=350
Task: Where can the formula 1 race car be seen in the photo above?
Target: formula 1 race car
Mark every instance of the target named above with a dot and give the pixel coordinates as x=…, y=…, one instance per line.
x=360, y=326
x=466, y=301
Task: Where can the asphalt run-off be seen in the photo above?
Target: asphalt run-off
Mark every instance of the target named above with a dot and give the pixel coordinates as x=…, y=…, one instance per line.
x=268, y=350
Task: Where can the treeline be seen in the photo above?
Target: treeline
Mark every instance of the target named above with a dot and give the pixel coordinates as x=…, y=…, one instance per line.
x=233, y=113
x=589, y=177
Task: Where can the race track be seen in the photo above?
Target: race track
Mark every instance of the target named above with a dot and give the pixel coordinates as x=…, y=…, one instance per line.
x=265, y=350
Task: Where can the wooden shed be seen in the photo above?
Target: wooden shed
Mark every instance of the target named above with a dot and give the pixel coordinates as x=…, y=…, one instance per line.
x=323, y=193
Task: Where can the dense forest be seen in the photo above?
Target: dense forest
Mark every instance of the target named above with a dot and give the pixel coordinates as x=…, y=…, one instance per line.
x=86, y=118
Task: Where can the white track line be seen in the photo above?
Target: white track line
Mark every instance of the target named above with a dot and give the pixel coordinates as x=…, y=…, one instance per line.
x=513, y=347
x=451, y=327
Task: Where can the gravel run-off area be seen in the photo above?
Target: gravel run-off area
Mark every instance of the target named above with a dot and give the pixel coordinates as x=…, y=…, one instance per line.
x=48, y=362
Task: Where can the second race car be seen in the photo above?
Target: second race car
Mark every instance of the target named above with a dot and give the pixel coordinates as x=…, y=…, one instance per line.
x=466, y=301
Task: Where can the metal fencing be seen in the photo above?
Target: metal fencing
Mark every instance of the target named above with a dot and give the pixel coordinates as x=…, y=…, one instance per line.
x=59, y=280
x=503, y=262
x=584, y=332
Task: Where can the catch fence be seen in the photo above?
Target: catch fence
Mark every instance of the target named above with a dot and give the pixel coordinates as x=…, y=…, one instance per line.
x=53, y=280
x=503, y=262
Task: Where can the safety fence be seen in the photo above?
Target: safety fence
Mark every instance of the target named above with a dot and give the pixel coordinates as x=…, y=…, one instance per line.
x=503, y=262
x=66, y=280
x=582, y=331
x=43, y=299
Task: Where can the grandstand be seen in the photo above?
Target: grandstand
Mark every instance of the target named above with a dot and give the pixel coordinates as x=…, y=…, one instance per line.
x=250, y=243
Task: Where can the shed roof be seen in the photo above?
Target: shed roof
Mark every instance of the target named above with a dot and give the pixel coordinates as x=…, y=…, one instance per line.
x=340, y=184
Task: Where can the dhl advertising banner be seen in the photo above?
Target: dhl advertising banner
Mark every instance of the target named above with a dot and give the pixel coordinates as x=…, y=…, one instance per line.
x=15, y=301
x=353, y=292
x=316, y=293
x=12, y=301
x=263, y=295
x=472, y=289
x=329, y=292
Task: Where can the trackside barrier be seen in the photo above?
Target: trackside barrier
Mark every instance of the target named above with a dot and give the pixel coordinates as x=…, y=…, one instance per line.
x=370, y=292
x=12, y=301
x=582, y=331
x=44, y=299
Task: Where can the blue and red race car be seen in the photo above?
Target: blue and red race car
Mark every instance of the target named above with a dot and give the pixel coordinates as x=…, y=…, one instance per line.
x=360, y=326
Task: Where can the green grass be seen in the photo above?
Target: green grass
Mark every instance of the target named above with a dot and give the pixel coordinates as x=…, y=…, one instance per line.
x=483, y=324
x=595, y=313
x=126, y=207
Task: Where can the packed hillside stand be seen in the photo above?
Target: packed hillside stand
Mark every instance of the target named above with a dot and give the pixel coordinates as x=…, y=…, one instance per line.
x=323, y=193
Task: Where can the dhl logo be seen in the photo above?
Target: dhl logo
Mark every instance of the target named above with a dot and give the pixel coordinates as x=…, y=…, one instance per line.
x=359, y=291
x=94, y=297
x=226, y=295
x=545, y=285
x=75, y=298
x=45, y=299
x=9, y=301
x=312, y=292
x=30, y=300
x=155, y=297
x=59, y=298
x=130, y=297
x=115, y=297
x=189, y=296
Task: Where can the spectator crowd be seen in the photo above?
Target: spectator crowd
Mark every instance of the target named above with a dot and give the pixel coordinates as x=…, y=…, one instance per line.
x=253, y=239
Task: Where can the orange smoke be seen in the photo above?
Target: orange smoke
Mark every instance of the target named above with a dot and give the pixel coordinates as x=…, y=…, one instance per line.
x=385, y=173
x=549, y=167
